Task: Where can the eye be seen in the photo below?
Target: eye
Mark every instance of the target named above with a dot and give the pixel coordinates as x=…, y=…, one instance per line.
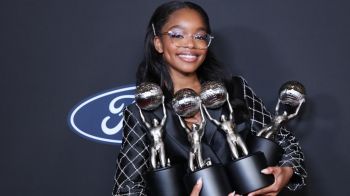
x=176, y=35
x=203, y=37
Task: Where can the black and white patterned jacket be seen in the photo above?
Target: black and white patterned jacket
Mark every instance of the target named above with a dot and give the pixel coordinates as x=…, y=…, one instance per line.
x=133, y=158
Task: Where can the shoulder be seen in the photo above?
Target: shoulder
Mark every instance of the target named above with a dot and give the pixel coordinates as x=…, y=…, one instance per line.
x=131, y=112
x=131, y=109
x=235, y=86
x=242, y=90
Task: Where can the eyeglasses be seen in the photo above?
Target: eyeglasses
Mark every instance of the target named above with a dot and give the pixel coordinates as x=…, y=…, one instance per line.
x=200, y=40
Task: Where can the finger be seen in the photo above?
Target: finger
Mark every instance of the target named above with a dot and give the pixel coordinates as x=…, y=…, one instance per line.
x=268, y=170
x=275, y=171
x=197, y=187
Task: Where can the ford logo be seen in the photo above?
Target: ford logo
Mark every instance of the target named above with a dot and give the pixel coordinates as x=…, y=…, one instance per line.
x=100, y=117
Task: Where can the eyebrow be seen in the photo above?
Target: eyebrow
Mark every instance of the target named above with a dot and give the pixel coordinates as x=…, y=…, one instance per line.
x=180, y=27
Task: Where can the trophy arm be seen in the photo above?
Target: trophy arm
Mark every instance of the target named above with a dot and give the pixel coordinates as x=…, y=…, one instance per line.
x=296, y=111
x=264, y=130
x=183, y=125
x=229, y=106
x=143, y=118
x=277, y=106
x=216, y=122
x=202, y=124
x=269, y=135
x=164, y=113
x=201, y=132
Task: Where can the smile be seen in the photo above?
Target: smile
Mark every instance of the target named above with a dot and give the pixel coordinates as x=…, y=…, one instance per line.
x=188, y=57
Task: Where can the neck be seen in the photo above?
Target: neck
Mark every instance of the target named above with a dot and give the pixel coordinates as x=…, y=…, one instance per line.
x=186, y=81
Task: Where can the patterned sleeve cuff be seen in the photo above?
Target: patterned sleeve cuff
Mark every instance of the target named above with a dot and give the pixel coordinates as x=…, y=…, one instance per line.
x=298, y=179
x=292, y=157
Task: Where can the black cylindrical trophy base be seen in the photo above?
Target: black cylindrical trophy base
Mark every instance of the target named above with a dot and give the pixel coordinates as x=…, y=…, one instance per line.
x=215, y=181
x=166, y=181
x=245, y=173
x=272, y=151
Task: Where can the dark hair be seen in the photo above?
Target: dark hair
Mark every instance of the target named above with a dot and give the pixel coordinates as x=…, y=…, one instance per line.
x=154, y=69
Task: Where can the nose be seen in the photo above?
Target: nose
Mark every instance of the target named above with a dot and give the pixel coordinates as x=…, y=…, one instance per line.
x=188, y=42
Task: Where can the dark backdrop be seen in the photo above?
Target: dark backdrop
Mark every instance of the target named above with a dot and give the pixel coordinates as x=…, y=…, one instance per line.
x=53, y=54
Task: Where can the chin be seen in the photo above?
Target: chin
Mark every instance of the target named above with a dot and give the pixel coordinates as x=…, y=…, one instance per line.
x=190, y=69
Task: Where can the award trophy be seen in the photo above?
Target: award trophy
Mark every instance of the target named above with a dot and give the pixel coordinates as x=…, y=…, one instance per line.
x=186, y=103
x=245, y=169
x=163, y=179
x=291, y=97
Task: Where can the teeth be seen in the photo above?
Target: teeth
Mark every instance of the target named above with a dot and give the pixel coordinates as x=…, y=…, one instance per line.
x=188, y=57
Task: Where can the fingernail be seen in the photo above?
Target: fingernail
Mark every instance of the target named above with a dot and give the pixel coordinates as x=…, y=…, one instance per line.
x=265, y=171
x=199, y=181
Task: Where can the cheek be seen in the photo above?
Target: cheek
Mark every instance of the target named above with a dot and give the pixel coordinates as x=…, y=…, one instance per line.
x=167, y=57
x=203, y=57
x=169, y=52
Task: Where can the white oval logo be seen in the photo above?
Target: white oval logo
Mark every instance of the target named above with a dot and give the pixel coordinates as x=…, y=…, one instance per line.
x=100, y=118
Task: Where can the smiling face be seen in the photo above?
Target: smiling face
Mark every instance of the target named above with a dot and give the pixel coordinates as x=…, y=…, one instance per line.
x=185, y=59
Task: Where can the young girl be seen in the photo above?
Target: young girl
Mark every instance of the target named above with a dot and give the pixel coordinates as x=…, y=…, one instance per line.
x=177, y=56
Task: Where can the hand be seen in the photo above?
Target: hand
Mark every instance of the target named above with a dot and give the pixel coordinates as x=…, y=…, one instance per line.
x=282, y=176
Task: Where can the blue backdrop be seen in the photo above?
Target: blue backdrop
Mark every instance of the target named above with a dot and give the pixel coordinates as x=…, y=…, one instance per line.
x=55, y=54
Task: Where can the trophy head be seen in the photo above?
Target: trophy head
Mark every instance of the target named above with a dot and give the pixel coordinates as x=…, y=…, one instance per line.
x=213, y=94
x=148, y=96
x=155, y=122
x=186, y=102
x=292, y=93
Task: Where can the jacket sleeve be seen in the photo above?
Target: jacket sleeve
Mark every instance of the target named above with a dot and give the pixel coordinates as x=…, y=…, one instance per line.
x=292, y=156
x=133, y=157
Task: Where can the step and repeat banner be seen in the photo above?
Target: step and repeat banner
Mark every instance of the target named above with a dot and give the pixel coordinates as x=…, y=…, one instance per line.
x=68, y=70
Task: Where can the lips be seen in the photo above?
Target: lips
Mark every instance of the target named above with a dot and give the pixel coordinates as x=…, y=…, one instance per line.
x=188, y=57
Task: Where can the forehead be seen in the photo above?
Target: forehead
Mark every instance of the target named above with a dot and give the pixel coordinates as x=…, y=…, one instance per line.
x=187, y=19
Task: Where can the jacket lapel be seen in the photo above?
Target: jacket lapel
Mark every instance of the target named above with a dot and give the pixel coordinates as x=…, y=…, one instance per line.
x=173, y=128
x=175, y=132
x=210, y=127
